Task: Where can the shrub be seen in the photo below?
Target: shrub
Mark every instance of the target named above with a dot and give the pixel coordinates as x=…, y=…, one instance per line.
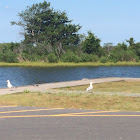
x=137, y=59
x=130, y=56
x=89, y=58
x=70, y=57
x=94, y=58
x=33, y=57
x=9, y=57
x=86, y=57
x=52, y=58
x=103, y=59
x=25, y=56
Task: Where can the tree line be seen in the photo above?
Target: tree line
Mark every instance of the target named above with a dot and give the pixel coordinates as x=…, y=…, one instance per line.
x=50, y=36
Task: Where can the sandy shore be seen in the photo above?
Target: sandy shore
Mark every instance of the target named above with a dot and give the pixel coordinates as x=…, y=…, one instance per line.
x=47, y=86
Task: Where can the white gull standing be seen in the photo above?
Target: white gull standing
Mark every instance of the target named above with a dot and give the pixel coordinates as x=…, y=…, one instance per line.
x=90, y=87
x=9, y=85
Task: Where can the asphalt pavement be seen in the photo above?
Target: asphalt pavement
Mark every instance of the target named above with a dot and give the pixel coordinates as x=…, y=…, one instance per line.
x=35, y=123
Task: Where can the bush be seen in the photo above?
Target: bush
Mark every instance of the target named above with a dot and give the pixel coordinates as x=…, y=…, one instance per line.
x=70, y=57
x=52, y=58
x=130, y=56
x=94, y=58
x=9, y=57
x=137, y=59
x=114, y=60
x=89, y=58
x=119, y=54
x=103, y=60
x=86, y=57
x=32, y=58
x=35, y=57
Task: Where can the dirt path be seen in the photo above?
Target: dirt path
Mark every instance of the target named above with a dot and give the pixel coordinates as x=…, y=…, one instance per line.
x=48, y=86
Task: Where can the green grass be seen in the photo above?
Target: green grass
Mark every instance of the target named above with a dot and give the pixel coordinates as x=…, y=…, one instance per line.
x=122, y=87
x=44, y=64
x=79, y=101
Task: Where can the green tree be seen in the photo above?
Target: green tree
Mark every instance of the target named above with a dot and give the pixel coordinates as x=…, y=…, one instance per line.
x=91, y=44
x=122, y=53
x=136, y=49
x=131, y=41
x=122, y=46
x=43, y=25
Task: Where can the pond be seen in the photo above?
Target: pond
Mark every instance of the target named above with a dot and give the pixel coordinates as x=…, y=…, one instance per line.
x=20, y=76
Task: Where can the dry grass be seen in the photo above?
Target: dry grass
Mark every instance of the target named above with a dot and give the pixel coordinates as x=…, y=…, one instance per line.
x=83, y=101
x=123, y=87
x=44, y=64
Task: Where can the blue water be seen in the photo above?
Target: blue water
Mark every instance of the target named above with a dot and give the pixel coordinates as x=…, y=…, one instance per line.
x=20, y=76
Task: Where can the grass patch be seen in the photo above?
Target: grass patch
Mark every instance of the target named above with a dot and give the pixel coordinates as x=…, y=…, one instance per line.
x=82, y=101
x=44, y=64
x=122, y=86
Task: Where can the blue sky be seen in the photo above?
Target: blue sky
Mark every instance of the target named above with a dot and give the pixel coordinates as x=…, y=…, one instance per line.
x=110, y=20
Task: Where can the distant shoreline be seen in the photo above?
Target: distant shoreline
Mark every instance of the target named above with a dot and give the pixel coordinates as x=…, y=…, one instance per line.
x=84, y=64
